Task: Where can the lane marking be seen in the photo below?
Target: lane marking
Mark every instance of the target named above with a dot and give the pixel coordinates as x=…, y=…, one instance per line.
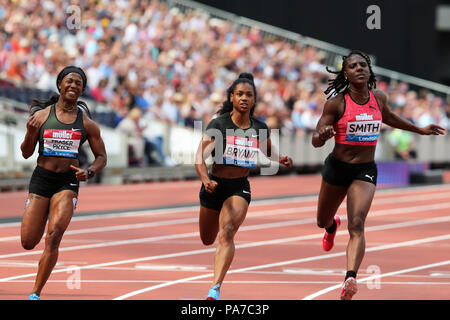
x=208, y=250
x=250, y=215
x=254, y=227
x=166, y=267
x=282, y=263
x=321, y=292
x=236, y=282
x=256, y=202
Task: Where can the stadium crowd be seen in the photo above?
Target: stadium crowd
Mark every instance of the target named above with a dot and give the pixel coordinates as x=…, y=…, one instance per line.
x=175, y=66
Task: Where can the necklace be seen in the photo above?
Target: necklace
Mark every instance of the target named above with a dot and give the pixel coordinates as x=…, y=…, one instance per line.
x=357, y=93
x=68, y=108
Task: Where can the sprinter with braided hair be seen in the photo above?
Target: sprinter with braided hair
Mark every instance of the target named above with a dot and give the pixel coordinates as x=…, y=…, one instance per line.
x=341, y=82
x=353, y=114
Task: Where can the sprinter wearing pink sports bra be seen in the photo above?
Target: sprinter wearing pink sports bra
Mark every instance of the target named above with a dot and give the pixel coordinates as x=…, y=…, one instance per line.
x=353, y=115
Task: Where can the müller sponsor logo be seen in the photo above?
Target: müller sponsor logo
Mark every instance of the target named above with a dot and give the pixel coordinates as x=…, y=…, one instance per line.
x=364, y=117
x=62, y=134
x=242, y=141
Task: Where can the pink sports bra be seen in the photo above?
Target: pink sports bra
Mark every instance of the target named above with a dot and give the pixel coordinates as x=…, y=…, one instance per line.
x=360, y=124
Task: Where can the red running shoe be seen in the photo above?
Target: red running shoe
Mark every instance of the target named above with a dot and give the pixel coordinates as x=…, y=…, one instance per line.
x=349, y=288
x=328, y=238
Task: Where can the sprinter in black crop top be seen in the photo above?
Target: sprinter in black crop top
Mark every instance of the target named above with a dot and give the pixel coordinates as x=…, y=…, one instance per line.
x=235, y=140
x=240, y=147
x=59, y=139
x=60, y=126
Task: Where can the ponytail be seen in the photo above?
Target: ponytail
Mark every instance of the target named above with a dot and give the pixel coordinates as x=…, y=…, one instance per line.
x=83, y=106
x=39, y=104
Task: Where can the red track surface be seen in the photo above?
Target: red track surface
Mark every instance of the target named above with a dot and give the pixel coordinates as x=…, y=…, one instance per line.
x=157, y=254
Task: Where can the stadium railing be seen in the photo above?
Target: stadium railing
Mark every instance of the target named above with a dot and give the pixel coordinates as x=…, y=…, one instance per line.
x=333, y=53
x=180, y=142
x=181, y=145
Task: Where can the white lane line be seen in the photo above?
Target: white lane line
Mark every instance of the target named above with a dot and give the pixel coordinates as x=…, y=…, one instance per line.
x=422, y=267
x=251, y=214
x=173, y=222
x=119, y=227
x=415, y=191
x=248, y=228
x=282, y=263
x=237, y=282
x=440, y=274
x=209, y=250
x=166, y=267
x=163, y=211
x=160, y=238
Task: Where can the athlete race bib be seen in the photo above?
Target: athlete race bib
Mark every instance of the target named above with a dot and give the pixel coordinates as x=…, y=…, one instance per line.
x=241, y=151
x=364, y=129
x=61, y=143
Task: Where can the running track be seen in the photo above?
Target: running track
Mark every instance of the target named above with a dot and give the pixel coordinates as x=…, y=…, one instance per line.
x=141, y=242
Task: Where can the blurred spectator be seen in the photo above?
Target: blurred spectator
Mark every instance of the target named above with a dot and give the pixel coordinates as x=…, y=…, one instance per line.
x=446, y=117
x=139, y=152
x=190, y=118
x=154, y=133
x=100, y=93
x=402, y=141
x=176, y=64
x=170, y=110
x=297, y=119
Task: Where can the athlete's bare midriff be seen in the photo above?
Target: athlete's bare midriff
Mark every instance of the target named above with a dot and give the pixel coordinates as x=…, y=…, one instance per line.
x=353, y=153
x=228, y=171
x=56, y=164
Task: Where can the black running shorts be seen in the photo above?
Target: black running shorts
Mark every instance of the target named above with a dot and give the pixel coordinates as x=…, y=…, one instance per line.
x=47, y=183
x=225, y=189
x=340, y=173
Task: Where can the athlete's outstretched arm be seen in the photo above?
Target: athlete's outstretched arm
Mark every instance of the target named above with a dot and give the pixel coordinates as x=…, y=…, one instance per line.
x=393, y=120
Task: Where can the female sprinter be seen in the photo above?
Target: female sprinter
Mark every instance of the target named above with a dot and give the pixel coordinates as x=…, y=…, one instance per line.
x=60, y=127
x=237, y=138
x=354, y=117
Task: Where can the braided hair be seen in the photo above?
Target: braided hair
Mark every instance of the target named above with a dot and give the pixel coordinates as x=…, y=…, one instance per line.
x=341, y=83
x=227, y=105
